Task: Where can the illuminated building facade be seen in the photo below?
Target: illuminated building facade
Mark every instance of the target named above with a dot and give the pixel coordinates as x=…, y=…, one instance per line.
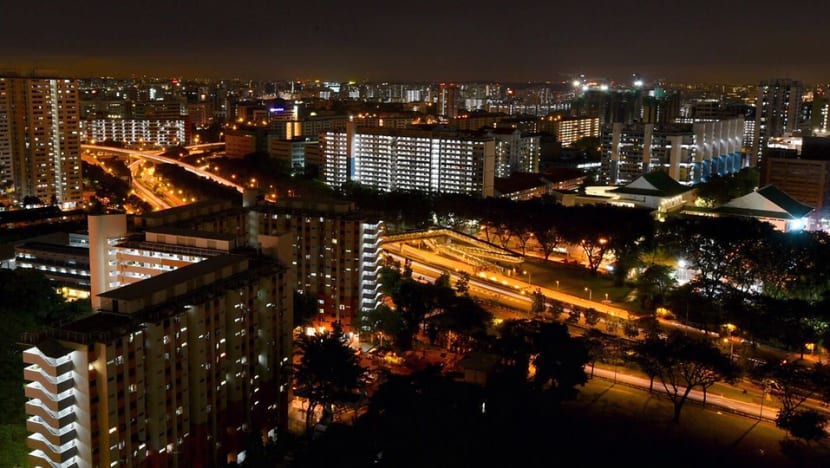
x=569, y=130
x=689, y=153
x=63, y=258
x=40, y=140
x=335, y=250
x=431, y=160
x=136, y=132
x=776, y=112
x=170, y=370
x=515, y=152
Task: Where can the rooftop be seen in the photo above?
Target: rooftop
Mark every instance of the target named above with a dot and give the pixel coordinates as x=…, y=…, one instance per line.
x=163, y=281
x=192, y=233
x=656, y=184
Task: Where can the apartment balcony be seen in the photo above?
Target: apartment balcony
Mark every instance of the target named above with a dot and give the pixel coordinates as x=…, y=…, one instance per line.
x=49, y=366
x=54, y=436
x=57, y=454
x=52, y=384
x=39, y=458
x=54, y=401
x=49, y=417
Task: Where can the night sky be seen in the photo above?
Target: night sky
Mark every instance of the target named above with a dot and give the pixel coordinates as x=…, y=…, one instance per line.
x=450, y=40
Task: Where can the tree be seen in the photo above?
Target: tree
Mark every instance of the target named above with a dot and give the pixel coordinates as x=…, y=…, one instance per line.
x=538, y=305
x=682, y=362
x=792, y=384
x=460, y=318
x=559, y=360
x=462, y=284
x=592, y=316
x=328, y=372
x=384, y=322
x=654, y=284
x=807, y=425
x=29, y=303
x=595, y=342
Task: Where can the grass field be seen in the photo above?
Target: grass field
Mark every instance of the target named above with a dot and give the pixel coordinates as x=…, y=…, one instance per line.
x=629, y=425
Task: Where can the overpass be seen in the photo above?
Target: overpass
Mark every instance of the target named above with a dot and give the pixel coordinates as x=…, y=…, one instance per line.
x=205, y=146
x=465, y=246
x=157, y=157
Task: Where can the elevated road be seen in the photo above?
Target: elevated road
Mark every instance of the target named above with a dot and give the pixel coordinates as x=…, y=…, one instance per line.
x=157, y=157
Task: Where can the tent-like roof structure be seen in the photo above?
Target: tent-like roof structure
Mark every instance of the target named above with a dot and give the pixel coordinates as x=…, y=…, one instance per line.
x=766, y=202
x=655, y=184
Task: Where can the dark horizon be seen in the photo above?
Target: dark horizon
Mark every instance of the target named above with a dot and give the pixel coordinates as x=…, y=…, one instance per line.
x=484, y=40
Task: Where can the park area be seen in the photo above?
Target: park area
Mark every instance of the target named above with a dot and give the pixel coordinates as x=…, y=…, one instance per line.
x=637, y=427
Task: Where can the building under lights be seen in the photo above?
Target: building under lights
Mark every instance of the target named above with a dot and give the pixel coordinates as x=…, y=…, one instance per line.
x=570, y=129
x=40, y=146
x=768, y=204
x=335, y=250
x=689, y=153
x=135, y=132
x=776, y=112
x=515, y=152
x=172, y=368
x=62, y=257
x=431, y=159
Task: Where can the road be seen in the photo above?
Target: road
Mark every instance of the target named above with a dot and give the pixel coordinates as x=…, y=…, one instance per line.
x=500, y=284
x=753, y=410
x=157, y=157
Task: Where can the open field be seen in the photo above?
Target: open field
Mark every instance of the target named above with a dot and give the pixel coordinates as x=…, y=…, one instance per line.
x=629, y=425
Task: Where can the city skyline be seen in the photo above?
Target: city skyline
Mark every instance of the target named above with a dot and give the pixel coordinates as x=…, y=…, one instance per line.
x=376, y=41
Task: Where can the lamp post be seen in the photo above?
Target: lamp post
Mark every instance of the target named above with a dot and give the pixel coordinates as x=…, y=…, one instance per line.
x=590, y=293
x=730, y=328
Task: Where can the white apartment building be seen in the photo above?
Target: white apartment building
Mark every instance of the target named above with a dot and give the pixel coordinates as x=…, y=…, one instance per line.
x=434, y=160
x=169, y=366
x=689, y=153
x=136, y=131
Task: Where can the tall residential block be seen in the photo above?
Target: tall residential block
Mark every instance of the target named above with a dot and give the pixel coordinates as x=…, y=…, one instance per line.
x=175, y=367
x=431, y=159
x=40, y=140
x=334, y=248
x=776, y=113
x=689, y=153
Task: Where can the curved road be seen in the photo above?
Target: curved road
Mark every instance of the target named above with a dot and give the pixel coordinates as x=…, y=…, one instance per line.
x=157, y=157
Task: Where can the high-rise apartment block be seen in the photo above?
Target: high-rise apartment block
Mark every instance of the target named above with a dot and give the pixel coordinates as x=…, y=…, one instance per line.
x=432, y=159
x=515, y=152
x=570, y=129
x=776, y=112
x=174, y=366
x=335, y=250
x=690, y=153
x=40, y=140
x=136, y=132
x=448, y=100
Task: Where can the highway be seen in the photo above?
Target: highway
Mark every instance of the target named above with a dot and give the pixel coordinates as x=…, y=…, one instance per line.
x=157, y=157
x=498, y=283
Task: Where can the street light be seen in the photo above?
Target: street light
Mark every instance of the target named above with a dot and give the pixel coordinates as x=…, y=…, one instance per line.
x=730, y=328
x=590, y=293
